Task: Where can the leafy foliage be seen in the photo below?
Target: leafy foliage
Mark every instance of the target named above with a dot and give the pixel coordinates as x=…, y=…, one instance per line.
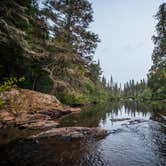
x=8, y=84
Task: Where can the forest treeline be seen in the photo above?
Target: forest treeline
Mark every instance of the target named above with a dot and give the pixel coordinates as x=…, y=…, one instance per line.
x=137, y=90
x=51, y=46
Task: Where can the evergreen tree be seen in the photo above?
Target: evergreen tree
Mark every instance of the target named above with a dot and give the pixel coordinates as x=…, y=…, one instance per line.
x=71, y=19
x=104, y=82
x=111, y=84
x=136, y=90
x=52, y=47
x=157, y=75
x=95, y=71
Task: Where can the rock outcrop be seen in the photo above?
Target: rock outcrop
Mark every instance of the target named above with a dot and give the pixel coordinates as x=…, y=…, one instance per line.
x=26, y=109
x=70, y=134
x=33, y=110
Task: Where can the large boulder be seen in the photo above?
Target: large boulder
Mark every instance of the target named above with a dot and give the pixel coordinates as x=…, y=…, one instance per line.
x=28, y=100
x=30, y=109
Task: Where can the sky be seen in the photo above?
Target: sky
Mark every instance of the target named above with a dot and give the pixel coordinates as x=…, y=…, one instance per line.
x=125, y=28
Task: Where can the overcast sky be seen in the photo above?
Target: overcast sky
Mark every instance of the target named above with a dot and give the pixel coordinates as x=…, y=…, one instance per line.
x=125, y=28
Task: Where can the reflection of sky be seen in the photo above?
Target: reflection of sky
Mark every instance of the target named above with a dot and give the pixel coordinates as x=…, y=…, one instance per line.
x=135, y=144
x=125, y=28
x=123, y=112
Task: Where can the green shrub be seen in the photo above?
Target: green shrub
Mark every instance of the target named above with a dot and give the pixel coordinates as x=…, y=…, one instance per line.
x=9, y=83
x=1, y=102
x=146, y=94
x=89, y=86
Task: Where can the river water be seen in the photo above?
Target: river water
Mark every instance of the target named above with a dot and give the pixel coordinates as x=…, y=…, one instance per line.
x=137, y=137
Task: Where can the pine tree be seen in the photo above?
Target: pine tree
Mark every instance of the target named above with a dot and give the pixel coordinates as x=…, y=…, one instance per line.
x=157, y=75
x=71, y=19
x=104, y=82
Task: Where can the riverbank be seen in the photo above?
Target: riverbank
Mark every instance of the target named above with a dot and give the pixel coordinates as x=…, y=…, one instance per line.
x=27, y=109
x=137, y=136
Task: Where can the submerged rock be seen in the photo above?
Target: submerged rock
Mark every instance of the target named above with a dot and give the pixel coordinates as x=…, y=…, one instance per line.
x=70, y=134
x=44, y=124
x=119, y=119
x=137, y=121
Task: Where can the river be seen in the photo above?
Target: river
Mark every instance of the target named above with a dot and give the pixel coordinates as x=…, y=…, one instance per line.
x=137, y=137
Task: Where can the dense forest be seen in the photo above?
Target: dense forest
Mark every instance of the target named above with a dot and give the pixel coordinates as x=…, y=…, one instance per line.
x=56, y=105
x=49, y=43
x=51, y=46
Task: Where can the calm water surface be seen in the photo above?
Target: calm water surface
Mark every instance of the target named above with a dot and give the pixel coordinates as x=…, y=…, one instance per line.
x=137, y=138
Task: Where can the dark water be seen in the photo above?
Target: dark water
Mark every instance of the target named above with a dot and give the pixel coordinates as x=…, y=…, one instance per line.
x=137, y=138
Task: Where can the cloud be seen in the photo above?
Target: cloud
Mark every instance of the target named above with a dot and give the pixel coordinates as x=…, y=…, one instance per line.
x=140, y=45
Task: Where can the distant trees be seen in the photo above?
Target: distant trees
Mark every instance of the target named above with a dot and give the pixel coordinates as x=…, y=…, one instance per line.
x=136, y=90
x=157, y=74
x=112, y=87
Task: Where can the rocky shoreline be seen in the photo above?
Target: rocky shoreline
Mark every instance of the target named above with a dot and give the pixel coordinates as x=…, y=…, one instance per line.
x=26, y=109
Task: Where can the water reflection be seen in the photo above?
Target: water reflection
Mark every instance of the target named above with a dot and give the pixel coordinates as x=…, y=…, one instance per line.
x=24, y=153
x=137, y=137
x=90, y=116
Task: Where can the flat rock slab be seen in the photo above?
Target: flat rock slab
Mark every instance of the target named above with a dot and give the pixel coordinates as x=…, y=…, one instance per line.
x=119, y=119
x=136, y=121
x=33, y=110
x=40, y=125
x=70, y=134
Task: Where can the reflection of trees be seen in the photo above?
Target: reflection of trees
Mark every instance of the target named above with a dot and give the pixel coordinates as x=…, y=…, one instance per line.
x=90, y=116
x=154, y=134
x=131, y=108
x=50, y=152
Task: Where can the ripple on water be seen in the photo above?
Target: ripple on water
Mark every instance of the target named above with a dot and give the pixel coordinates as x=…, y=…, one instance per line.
x=136, y=138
